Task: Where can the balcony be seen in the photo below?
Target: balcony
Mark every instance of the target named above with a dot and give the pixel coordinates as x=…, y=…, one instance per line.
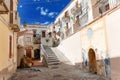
x=77, y=24
x=114, y=3
x=68, y=32
x=103, y=2
x=59, y=23
x=3, y=7
x=84, y=19
x=14, y=27
x=66, y=19
x=76, y=11
x=36, y=40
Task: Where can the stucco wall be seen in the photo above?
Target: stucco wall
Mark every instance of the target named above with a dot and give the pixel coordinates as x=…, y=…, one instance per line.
x=7, y=65
x=4, y=45
x=93, y=36
x=113, y=31
x=113, y=41
x=71, y=48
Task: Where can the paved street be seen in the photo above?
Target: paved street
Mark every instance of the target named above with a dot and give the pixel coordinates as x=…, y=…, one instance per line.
x=62, y=71
x=55, y=72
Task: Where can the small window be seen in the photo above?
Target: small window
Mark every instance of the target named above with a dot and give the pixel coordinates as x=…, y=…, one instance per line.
x=10, y=47
x=43, y=33
x=16, y=15
x=107, y=7
x=11, y=13
x=77, y=21
x=67, y=26
x=66, y=14
x=100, y=10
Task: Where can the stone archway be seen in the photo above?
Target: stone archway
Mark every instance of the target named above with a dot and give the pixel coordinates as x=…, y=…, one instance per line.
x=92, y=61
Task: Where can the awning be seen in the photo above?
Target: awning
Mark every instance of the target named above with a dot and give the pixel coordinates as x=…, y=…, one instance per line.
x=3, y=7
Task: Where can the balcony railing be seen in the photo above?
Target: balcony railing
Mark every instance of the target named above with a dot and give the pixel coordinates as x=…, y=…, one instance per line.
x=98, y=2
x=84, y=19
x=77, y=24
x=114, y=3
x=66, y=19
x=76, y=11
x=68, y=32
x=14, y=27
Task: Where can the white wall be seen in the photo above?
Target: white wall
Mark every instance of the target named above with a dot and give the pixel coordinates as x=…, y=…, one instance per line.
x=39, y=29
x=113, y=33
x=71, y=48
x=21, y=40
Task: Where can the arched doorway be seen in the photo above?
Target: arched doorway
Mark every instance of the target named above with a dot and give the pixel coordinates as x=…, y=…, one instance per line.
x=92, y=61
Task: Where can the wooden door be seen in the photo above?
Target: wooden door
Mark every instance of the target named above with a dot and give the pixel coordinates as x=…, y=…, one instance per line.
x=92, y=61
x=28, y=53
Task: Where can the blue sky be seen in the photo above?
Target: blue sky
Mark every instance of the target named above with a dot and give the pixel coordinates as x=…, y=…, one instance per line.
x=40, y=11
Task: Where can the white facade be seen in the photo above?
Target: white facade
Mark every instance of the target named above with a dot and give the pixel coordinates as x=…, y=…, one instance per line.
x=113, y=30
x=71, y=48
x=38, y=28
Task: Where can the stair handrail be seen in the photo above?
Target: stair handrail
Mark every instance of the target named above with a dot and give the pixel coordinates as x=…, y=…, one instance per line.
x=44, y=52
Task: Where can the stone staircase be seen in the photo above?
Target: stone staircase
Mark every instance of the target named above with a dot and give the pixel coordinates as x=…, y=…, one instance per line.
x=51, y=57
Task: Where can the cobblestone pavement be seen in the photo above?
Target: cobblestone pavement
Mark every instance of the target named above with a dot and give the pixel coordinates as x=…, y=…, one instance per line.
x=54, y=72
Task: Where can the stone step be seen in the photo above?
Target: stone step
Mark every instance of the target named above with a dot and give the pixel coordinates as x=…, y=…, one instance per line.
x=51, y=56
x=53, y=59
x=53, y=63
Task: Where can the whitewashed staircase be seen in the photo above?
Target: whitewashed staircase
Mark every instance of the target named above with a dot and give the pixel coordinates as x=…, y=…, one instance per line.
x=51, y=57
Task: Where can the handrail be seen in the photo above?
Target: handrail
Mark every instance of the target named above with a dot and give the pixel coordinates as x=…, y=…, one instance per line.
x=44, y=52
x=45, y=57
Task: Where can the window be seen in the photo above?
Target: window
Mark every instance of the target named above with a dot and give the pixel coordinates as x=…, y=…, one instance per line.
x=67, y=26
x=34, y=32
x=104, y=8
x=11, y=11
x=107, y=7
x=10, y=47
x=77, y=21
x=16, y=15
x=43, y=33
x=66, y=14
